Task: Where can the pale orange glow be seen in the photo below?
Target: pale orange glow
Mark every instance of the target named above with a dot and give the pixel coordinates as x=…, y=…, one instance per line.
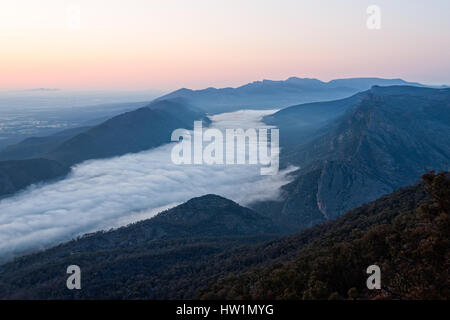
x=169, y=44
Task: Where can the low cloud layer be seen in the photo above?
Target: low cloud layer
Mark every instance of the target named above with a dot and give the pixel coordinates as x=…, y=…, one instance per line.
x=102, y=194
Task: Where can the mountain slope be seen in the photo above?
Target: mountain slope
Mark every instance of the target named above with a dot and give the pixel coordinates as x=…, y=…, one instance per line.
x=277, y=94
x=18, y=174
x=213, y=215
x=405, y=234
x=133, y=131
x=392, y=136
x=124, y=264
x=36, y=147
x=299, y=124
x=149, y=259
x=362, y=84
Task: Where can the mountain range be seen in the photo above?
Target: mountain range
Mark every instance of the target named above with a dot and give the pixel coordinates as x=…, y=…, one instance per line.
x=212, y=248
x=270, y=94
x=302, y=123
x=349, y=152
x=151, y=126
x=380, y=140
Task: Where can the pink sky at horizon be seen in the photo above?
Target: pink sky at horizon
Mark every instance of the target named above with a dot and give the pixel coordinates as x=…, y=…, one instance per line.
x=169, y=44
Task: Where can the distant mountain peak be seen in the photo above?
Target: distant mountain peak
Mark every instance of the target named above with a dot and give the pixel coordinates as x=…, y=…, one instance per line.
x=265, y=94
x=300, y=80
x=210, y=215
x=182, y=91
x=207, y=206
x=210, y=201
x=211, y=196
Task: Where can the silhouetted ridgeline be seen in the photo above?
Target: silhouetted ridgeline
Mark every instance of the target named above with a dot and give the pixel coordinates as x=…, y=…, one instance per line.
x=269, y=94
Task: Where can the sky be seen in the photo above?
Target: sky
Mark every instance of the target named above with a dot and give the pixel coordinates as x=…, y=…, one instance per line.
x=168, y=44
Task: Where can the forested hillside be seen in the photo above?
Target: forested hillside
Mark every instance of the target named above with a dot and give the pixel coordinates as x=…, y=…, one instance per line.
x=18, y=174
x=168, y=256
x=408, y=239
x=392, y=136
x=213, y=248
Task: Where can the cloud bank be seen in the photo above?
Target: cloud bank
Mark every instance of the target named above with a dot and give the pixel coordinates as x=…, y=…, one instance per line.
x=103, y=194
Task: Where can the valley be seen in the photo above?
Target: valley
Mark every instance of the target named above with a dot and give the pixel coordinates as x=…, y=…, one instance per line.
x=114, y=202
x=103, y=194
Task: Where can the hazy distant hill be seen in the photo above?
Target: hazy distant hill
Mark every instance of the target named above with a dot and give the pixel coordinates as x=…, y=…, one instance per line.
x=277, y=94
x=35, y=147
x=133, y=131
x=391, y=137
